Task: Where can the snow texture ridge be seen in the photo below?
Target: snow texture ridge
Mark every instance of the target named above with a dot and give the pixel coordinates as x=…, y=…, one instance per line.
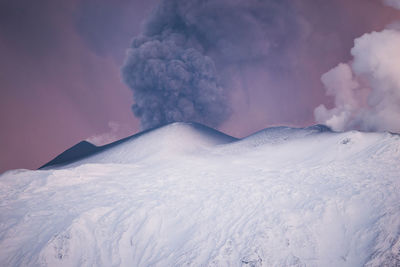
x=171, y=139
x=187, y=195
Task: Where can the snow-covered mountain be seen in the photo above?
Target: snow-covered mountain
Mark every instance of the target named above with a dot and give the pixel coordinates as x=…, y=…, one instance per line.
x=185, y=194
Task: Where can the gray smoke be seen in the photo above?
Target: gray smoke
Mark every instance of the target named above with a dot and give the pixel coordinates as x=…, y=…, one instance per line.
x=171, y=67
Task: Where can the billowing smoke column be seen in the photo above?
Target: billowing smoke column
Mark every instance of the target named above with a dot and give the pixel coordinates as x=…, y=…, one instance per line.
x=367, y=89
x=171, y=67
x=173, y=83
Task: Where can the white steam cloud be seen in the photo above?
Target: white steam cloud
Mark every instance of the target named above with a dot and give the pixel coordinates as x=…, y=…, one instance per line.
x=115, y=132
x=367, y=89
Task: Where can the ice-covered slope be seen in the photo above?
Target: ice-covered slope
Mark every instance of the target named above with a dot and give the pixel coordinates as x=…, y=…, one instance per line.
x=187, y=195
x=175, y=138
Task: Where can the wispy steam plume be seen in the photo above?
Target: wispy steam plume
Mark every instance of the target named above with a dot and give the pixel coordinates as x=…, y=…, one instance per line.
x=171, y=67
x=367, y=89
x=393, y=3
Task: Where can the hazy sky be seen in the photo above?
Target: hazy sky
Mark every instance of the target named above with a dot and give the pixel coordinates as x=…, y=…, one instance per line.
x=60, y=62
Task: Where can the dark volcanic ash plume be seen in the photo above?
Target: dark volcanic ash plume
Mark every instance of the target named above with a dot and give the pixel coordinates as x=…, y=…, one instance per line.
x=173, y=83
x=171, y=66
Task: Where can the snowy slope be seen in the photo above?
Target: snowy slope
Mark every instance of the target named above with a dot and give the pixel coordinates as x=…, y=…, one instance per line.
x=191, y=136
x=185, y=195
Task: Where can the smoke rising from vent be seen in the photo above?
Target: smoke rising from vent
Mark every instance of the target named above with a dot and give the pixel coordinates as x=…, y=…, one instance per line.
x=172, y=83
x=367, y=89
x=172, y=67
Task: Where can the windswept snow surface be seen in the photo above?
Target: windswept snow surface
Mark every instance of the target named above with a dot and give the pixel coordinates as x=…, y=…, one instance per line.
x=184, y=195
